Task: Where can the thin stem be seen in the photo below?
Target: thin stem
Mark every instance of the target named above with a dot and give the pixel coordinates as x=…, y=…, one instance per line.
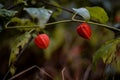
x=4, y=78
x=90, y=22
x=36, y=26
x=28, y=69
x=14, y=27
x=45, y=72
x=87, y=72
x=63, y=70
x=31, y=31
x=62, y=21
x=21, y=73
x=103, y=25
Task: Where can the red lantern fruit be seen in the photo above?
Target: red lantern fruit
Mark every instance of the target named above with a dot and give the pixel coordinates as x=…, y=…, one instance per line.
x=84, y=30
x=42, y=41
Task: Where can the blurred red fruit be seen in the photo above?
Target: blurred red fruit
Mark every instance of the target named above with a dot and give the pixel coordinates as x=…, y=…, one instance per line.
x=42, y=41
x=117, y=18
x=84, y=30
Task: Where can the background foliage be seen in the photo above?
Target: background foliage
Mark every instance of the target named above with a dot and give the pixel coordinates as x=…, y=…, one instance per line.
x=68, y=56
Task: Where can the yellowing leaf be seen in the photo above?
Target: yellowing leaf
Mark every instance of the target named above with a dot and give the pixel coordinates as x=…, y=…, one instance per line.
x=16, y=46
x=98, y=14
x=107, y=51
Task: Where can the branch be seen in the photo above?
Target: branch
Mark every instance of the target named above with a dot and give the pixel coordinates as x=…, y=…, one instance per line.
x=85, y=77
x=103, y=25
x=73, y=20
x=63, y=76
x=30, y=68
x=21, y=73
x=70, y=11
x=6, y=75
x=65, y=21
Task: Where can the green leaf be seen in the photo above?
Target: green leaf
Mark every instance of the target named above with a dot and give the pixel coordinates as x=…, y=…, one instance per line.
x=98, y=14
x=16, y=46
x=7, y=13
x=106, y=52
x=41, y=14
x=55, y=41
